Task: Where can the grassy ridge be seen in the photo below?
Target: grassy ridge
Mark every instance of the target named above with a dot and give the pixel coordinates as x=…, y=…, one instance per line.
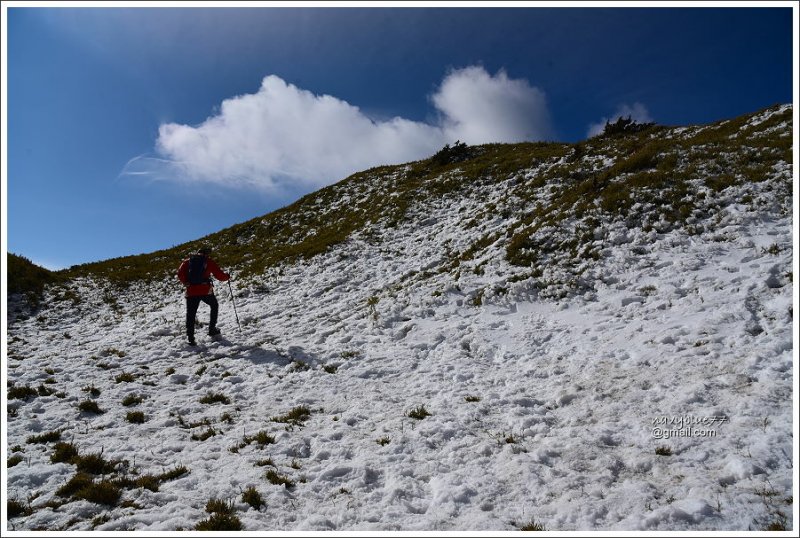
x=652, y=178
x=26, y=277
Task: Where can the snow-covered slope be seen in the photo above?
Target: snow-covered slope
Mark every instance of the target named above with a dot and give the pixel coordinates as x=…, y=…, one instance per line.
x=638, y=379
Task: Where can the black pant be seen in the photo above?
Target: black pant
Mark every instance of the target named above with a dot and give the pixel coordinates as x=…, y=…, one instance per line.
x=192, y=304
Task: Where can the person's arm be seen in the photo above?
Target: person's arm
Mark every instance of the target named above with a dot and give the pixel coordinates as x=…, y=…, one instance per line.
x=218, y=273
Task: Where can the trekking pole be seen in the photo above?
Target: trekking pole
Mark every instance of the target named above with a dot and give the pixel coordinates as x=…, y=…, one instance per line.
x=234, y=306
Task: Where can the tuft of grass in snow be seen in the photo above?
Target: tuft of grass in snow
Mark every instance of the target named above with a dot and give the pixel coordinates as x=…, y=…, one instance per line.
x=83, y=486
x=278, y=479
x=21, y=393
x=215, y=397
x=132, y=399
x=47, y=437
x=148, y=481
x=299, y=366
x=64, y=453
x=222, y=517
x=125, y=377
x=93, y=391
x=295, y=417
x=263, y=438
x=532, y=525
x=383, y=441
x=252, y=497
x=419, y=413
x=663, y=450
x=93, y=464
x=135, y=417
x=90, y=406
x=15, y=508
x=210, y=432
x=43, y=391
x=172, y=474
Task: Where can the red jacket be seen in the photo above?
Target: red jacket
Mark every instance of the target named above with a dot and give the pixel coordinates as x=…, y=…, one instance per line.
x=195, y=290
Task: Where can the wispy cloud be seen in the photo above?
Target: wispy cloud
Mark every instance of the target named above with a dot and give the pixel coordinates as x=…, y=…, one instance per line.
x=283, y=138
x=637, y=112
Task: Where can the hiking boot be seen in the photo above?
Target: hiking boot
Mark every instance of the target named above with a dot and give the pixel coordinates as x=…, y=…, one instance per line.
x=214, y=332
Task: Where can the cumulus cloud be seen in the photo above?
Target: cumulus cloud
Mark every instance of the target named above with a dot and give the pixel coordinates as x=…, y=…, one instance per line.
x=283, y=138
x=637, y=112
x=479, y=108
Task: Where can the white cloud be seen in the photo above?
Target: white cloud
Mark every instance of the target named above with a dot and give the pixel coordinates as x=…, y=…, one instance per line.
x=637, y=112
x=479, y=108
x=284, y=138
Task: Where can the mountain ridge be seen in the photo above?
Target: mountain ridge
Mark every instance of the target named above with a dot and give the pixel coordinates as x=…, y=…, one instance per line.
x=609, y=171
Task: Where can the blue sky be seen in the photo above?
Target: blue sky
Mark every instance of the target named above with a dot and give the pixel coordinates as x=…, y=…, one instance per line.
x=135, y=129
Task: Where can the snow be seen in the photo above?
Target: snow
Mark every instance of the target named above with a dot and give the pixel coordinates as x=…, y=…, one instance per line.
x=541, y=410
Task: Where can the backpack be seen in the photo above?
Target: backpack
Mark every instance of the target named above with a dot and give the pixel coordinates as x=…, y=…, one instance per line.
x=197, y=268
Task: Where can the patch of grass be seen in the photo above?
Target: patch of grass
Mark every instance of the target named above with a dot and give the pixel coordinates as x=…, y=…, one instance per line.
x=125, y=377
x=100, y=520
x=148, y=481
x=220, y=522
x=135, y=417
x=90, y=406
x=210, y=432
x=299, y=366
x=14, y=460
x=48, y=437
x=93, y=464
x=532, y=525
x=330, y=368
x=266, y=462
x=472, y=399
x=15, y=508
x=212, y=398
x=419, y=413
x=252, y=497
x=93, y=391
x=172, y=474
x=663, y=450
x=78, y=482
x=218, y=506
x=296, y=416
x=383, y=441
x=103, y=492
x=44, y=391
x=64, y=453
x=113, y=351
x=278, y=479
x=132, y=399
x=21, y=393
x=263, y=438
x=222, y=517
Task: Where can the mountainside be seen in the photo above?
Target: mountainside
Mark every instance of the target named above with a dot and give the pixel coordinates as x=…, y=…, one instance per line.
x=592, y=336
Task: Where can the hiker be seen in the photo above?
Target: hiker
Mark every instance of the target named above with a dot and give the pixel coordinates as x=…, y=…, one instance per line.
x=195, y=273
